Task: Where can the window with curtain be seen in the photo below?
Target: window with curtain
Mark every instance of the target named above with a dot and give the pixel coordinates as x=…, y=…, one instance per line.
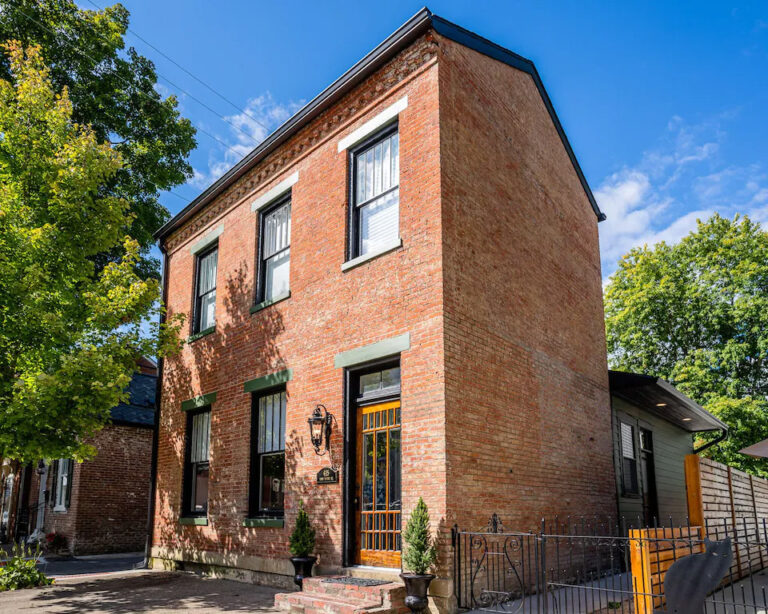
x=205, y=290
x=275, y=266
x=62, y=484
x=196, y=467
x=375, y=223
x=268, y=454
x=629, y=481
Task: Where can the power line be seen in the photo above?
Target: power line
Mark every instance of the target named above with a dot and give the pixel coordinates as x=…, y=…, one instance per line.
x=195, y=77
x=95, y=63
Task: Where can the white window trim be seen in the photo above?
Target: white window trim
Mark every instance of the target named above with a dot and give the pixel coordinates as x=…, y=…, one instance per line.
x=372, y=125
x=207, y=240
x=276, y=192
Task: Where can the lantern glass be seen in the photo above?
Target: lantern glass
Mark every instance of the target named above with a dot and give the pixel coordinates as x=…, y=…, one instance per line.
x=316, y=425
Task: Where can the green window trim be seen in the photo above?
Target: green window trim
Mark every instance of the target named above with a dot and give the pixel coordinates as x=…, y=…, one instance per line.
x=374, y=351
x=264, y=522
x=267, y=381
x=201, y=401
x=194, y=521
x=201, y=334
x=272, y=301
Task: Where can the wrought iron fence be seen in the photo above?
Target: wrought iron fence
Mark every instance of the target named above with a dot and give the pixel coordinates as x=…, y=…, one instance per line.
x=602, y=566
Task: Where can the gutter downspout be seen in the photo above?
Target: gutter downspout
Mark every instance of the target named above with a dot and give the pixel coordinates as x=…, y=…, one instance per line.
x=723, y=435
x=156, y=432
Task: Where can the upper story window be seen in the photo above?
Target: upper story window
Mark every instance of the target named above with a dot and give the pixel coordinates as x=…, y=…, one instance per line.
x=62, y=485
x=268, y=454
x=375, y=211
x=275, y=251
x=195, y=490
x=205, y=290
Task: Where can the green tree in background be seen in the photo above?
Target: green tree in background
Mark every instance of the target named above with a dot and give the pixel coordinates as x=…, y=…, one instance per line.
x=114, y=92
x=696, y=314
x=70, y=330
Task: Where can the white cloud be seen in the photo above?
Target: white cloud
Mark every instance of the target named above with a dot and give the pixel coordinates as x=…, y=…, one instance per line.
x=260, y=117
x=673, y=185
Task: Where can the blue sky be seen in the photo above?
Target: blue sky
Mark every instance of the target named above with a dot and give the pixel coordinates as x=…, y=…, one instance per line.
x=665, y=104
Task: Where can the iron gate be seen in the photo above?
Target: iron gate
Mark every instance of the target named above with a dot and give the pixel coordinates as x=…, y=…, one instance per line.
x=585, y=567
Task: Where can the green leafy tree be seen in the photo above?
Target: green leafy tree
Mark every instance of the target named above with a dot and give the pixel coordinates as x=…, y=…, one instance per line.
x=302, y=541
x=70, y=331
x=420, y=553
x=112, y=90
x=696, y=314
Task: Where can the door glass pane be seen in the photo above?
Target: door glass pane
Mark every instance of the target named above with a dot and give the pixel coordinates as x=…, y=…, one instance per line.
x=381, y=470
x=272, y=482
x=394, y=469
x=379, y=223
x=367, y=486
x=277, y=275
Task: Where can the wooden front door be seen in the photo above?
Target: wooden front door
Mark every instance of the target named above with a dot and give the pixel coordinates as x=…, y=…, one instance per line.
x=378, y=485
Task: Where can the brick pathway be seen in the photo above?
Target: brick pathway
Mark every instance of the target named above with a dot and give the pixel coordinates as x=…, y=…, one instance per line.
x=144, y=591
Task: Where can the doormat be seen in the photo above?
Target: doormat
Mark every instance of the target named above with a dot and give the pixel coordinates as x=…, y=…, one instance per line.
x=355, y=581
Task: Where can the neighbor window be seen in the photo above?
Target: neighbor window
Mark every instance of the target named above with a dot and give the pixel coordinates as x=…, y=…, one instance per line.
x=275, y=256
x=629, y=481
x=205, y=290
x=375, y=223
x=62, y=484
x=268, y=454
x=196, y=466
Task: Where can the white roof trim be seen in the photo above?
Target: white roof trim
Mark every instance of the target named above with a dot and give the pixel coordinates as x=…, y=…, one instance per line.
x=372, y=125
x=280, y=189
x=207, y=239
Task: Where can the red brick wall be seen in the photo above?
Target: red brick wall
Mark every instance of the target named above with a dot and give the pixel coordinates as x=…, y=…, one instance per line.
x=329, y=311
x=527, y=406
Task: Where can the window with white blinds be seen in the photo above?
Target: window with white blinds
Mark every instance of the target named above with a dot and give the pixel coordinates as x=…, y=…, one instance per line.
x=629, y=480
x=376, y=210
x=276, y=251
x=268, y=455
x=205, y=295
x=196, y=468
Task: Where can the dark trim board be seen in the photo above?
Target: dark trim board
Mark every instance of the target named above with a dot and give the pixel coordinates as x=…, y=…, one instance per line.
x=417, y=25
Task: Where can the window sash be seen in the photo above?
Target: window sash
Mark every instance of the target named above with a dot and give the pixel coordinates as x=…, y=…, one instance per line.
x=271, y=434
x=207, y=266
x=205, y=290
x=200, y=437
x=277, y=230
x=268, y=444
x=62, y=475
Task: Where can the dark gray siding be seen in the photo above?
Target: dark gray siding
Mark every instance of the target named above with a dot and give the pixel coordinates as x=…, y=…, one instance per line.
x=670, y=444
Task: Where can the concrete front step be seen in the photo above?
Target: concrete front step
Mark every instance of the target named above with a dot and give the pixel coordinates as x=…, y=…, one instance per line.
x=322, y=597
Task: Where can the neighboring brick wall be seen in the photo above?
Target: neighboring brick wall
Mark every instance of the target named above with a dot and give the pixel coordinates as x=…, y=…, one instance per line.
x=110, y=494
x=329, y=311
x=527, y=402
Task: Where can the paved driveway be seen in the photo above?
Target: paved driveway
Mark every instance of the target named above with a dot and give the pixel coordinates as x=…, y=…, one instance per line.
x=141, y=591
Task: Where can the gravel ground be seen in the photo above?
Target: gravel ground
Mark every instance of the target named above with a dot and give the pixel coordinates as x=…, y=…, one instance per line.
x=140, y=591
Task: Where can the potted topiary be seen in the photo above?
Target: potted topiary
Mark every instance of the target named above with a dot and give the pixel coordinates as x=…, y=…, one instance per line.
x=418, y=558
x=302, y=545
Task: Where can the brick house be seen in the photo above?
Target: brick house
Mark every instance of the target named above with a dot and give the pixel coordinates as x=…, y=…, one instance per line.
x=99, y=506
x=416, y=253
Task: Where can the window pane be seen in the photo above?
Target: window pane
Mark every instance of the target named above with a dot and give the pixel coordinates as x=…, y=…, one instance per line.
x=277, y=274
x=394, y=469
x=268, y=409
x=277, y=230
x=283, y=403
x=200, y=437
x=367, y=472
x=390, y=378
x=379, y=222
x=381, y=470
x=207, y=272
x=370, y=382
x=200, y=503
x=377, y=169
x=272, y=482
x=627, y=441
x=208, y=310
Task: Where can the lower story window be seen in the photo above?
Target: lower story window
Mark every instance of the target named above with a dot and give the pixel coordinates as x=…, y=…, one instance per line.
x=268, y=454
x=630, y=484
x=62, y=486
x=197, y=463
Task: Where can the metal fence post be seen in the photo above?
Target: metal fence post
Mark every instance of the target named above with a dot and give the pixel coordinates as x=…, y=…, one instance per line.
x=543, y=593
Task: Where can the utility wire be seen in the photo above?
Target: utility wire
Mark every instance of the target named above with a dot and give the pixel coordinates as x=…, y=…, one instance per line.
x=195, y=77
x=95, y=62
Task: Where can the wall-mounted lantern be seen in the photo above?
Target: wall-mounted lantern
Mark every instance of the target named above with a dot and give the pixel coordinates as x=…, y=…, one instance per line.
x=40, y=467
x=320, y=423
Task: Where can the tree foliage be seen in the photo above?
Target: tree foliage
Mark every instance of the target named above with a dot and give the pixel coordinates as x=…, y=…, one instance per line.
x=70, y=330
x=113, y=90
x=420, y=553
x=696, y=313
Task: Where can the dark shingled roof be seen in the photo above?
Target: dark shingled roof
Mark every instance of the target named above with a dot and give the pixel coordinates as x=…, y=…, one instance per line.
x=141, y=408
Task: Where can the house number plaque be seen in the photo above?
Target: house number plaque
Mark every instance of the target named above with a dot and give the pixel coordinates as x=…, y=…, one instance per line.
x=327, y=475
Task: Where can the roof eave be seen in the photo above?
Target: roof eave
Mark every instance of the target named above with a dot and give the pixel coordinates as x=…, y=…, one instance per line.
x=422, y=21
